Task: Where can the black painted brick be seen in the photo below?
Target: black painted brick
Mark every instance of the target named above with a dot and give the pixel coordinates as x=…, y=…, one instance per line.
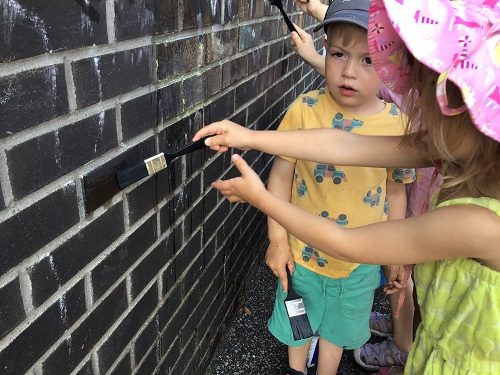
x=169, y=101
x=201, y=13
x=173, y=353
x=231, y=13
x=71, y=352
x=127, y=328
x=123, y=368
x=100, y=185
x=40, y=335
x=35, y=27
x=37, y=225
x=174, y=326
x=134, y=19
x=221, y=44
x=146, y=338
x=102, y=77
x=54, y=270
x=2, y=201
x=220, y=108
x=37, y=162
x=201, y=87
x=181, y=132
x=256, y=108
x=257, y=59
x=11, y=313
x=169, y=308
x=143, y=198
x=31, y=98
x=120, y=260
x=139, y=115
x=179, y=56
x=186, y=255
x=86, y=369
x=149, y=268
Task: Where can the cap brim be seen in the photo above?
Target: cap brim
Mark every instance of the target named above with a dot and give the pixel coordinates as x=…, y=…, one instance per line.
x=357, y=17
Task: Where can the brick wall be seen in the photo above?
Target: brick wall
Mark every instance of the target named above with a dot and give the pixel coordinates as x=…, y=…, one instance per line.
x=94, y=280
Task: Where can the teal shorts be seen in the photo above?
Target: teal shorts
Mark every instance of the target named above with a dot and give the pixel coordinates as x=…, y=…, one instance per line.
x=339, y=309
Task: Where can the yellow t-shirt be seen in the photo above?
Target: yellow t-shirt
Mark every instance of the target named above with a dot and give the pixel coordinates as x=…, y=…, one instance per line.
x=350, y=196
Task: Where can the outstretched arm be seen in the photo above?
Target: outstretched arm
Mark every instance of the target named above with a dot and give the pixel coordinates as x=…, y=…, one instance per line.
x=448, y=233
x=331, y=146
x=314, y=8
x=303, y=43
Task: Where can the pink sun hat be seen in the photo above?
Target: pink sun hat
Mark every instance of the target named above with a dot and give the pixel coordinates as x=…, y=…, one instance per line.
x=458, y=39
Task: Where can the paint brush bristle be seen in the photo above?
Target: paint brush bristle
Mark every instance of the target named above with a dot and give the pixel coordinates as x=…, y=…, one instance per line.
x=301, y=328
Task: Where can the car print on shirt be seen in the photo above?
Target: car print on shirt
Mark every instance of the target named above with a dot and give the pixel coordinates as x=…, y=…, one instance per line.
x=373, y=199
x=301, y=186
x=309, y=253
x=347, y=124
x=311, y=102
x=399, y=175
x=322, y=171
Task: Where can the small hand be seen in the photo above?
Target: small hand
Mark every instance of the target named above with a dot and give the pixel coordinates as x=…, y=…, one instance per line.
x=278, y=256
x=228, y=134
x=247, y=188
x=395, y=276
x=303, y=43
x=312, y=7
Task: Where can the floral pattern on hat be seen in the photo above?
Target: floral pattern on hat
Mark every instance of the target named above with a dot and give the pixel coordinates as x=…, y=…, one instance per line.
x=458, y=39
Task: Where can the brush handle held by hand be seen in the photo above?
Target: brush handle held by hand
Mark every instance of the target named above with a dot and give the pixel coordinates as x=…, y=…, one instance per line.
x=285, y=16
x=128, y=176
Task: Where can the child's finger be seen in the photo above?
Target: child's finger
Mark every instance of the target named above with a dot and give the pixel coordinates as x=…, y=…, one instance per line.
x=241, y=164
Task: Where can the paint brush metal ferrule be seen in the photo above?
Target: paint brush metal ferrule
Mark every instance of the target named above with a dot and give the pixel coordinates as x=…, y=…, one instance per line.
x=156, y=163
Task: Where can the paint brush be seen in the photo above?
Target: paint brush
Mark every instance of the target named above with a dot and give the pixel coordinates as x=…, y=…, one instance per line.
x=301, y=328
x=129, y=175
x=289, y=23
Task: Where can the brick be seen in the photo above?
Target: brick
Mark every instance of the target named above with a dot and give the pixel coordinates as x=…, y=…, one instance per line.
x=150, y=362
x=11, y=313
x=2, y=201
x=40, y=335
x=32, y=28
x=100, y=185
x=167, y=17
x=221, y=44
x=39, y=91
x=231, y=13
x=121, y=259
x=135, y=19
x=234, y=70
x=101, y=77
x=186, y=255
x=188, y=52
x=249, y=36
x=62, y=264
x=126, y=330
x=244, y=92
x=37, y=225
x=173, y=350
x=256, y=108
x=201, y=87
x=72, y=350
x=169, y=101
x=149, y=268
x=220, y=108
x=59, y=152
x=176, y=322
x=86, y=369
x=146, y=339
x=139, y=115
x=257, y=59
x=201, y=13
x=169, y=308
x=142, y=199
x=124, y=367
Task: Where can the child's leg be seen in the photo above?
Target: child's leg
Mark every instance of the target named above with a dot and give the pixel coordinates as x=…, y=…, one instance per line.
x=297, y=356
x=403, y=326
x=329, y=357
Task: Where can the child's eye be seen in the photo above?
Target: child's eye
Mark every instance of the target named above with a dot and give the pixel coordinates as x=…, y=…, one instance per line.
x=338, y=55
x=368, y=60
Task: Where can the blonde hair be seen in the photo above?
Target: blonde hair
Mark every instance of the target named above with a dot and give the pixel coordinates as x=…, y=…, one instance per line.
x=475, y=172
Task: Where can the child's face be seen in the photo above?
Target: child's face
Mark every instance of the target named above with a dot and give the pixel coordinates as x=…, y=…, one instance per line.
x=350, y=76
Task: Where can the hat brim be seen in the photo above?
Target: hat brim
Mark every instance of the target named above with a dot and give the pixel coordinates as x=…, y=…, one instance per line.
x=356, y=17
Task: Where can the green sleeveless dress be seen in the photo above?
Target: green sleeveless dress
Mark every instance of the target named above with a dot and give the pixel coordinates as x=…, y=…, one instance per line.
x=460, y=307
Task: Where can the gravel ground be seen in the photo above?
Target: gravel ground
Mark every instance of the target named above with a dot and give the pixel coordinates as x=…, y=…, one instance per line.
x=248, y=347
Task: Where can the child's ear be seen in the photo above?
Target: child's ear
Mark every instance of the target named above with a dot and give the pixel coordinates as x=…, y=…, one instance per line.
x=325, y=43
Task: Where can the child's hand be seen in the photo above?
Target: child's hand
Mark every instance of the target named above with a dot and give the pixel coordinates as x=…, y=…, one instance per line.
x=228, y=135
x=303, y=43
x=247, y=188
x=395, y=276
x=312, y=7
x=278, y=256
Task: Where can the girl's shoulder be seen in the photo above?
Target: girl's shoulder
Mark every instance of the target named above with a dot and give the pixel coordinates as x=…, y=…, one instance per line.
x=489, y=203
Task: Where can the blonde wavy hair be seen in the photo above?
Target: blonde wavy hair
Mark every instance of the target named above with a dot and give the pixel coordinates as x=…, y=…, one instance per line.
x=473, y=158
